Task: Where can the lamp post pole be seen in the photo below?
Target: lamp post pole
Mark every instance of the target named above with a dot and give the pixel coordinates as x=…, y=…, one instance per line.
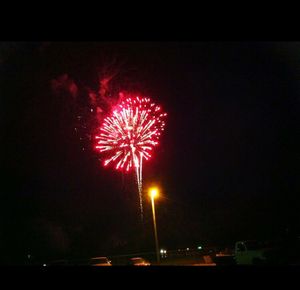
x=155, y=229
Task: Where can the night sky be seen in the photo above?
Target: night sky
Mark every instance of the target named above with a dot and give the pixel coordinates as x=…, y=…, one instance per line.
x=227, y=163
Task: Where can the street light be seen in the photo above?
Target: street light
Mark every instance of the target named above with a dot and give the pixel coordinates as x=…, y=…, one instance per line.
x=153, y=192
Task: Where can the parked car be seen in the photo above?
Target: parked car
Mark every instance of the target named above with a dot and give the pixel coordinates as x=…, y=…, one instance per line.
x=225, y=257
x=251, y=252
x=100, y=261
x=138, y=261
x=284, y=251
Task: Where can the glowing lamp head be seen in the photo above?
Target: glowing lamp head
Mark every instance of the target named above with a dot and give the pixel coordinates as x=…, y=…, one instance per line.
x=153, y=192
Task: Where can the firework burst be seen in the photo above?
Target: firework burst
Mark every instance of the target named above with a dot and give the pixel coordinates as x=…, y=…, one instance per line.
x=129, y=135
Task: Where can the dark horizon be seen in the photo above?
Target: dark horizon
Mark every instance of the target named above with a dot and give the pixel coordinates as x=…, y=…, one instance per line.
x=226, y=164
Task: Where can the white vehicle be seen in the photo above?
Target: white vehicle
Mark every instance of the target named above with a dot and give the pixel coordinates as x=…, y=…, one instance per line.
x=249, y=253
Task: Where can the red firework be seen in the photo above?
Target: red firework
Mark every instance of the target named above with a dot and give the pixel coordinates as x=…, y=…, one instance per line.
x=129, y=134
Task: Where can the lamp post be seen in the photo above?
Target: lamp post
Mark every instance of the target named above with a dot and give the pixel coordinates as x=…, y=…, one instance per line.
x=153, y=192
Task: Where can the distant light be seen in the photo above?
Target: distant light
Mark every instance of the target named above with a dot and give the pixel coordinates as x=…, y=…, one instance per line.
x=187, y=249
x=165, y=251
x=161, y=251
x=199, y=248
x=44, y=265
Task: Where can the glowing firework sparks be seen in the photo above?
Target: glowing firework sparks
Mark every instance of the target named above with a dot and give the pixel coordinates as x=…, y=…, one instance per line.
x=130, y=134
